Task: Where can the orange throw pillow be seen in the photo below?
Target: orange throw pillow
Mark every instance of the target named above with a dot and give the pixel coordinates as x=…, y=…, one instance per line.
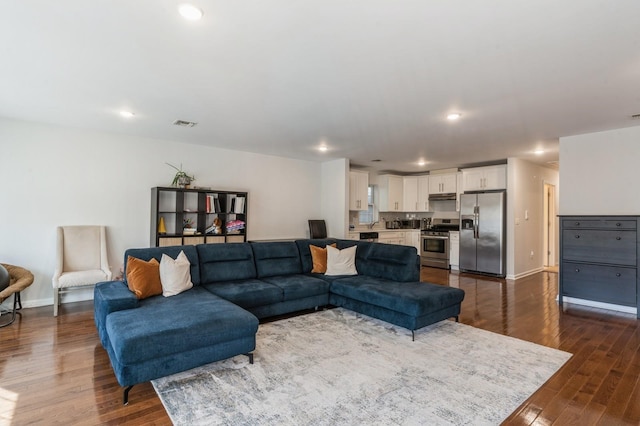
x=143, y=278
x=319, y=258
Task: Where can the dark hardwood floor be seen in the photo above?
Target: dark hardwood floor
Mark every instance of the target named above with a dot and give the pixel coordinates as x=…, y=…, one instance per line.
x=54, y=371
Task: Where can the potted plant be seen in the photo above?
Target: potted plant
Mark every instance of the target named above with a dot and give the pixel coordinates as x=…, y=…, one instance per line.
x=181, y=179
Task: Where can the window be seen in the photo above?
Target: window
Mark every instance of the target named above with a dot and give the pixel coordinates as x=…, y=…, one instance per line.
x=371, y=214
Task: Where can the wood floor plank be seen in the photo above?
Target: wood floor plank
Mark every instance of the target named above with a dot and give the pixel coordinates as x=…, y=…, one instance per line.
x=54, y=370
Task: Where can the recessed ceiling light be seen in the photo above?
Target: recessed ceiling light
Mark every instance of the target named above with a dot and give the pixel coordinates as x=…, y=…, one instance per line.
x=127, y=114
x=190, y=12
x=422, y=163
x=323, y=148
x=454, y=116
x=538, y=151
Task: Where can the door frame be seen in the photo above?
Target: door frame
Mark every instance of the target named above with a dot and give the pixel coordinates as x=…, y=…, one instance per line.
x=549, y=227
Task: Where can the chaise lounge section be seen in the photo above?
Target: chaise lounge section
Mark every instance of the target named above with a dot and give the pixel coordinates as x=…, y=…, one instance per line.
x=236, y=284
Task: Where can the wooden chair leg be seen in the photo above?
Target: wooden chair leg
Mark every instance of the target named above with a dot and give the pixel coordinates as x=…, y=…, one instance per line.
x=56, y=301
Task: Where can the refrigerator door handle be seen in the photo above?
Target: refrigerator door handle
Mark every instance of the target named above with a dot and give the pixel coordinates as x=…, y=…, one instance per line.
x=476, y=220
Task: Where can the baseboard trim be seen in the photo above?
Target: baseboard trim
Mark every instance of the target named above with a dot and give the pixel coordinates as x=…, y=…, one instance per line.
x=600, y=305
x=524, y=274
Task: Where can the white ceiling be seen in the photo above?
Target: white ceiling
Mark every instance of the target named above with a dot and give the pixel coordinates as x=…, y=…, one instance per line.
x=371, y=79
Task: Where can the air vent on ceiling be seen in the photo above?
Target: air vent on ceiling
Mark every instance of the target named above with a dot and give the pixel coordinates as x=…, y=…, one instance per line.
x=184, y=123
x=635, y=116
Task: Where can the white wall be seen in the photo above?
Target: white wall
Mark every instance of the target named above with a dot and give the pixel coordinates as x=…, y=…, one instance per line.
x=525, y=198
x=599, y=173
x=61, y=176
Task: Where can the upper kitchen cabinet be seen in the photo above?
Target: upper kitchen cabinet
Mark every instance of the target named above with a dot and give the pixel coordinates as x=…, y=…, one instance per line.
x=485, y=178
x=410, y=193
x=460, y=190
x=391, y=193
x=423, y=193
x=416, y=193
x=358, y=190
x=445, y=183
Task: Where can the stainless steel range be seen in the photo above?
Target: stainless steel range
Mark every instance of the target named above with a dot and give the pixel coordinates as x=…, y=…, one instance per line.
x=434, y=243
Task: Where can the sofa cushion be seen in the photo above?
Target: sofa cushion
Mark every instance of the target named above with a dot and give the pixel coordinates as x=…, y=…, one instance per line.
x=173, y=251
x=163, y=326
x=392, y=262
x=305, y=252
x=247, y=293
x=341, y=262
x=319, y=258
x=298, y=286
x=175, y=275
x=143, y=277
x=362, y=251
x=276, y=258
x=226, y=262
x=411, y=298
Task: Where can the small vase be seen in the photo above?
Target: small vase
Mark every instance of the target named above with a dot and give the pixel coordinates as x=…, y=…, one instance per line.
x=184, y=182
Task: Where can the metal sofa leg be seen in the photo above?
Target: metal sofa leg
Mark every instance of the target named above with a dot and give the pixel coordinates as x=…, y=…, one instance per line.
x=17, y=304
x=250, y=355
x=125, y=396
x=413, y=335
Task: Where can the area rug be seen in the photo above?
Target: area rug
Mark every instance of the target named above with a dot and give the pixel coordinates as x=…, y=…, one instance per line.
x=337, y=367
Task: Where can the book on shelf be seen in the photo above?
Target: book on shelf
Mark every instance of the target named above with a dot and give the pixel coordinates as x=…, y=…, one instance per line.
x=238, y=205
x=213, y=204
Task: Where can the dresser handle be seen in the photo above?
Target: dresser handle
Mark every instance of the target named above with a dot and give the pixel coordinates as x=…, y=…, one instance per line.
x=577, y=270
x=618, y=238
x=618, y=274
x=577, y=236
x=577, y=223
x=618, y=224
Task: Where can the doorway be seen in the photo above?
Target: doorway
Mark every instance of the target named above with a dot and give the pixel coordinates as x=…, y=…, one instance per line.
x=549, y=228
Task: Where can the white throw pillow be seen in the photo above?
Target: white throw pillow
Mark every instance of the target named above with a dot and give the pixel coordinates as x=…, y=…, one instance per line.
x=341, y=262
x=175, y=275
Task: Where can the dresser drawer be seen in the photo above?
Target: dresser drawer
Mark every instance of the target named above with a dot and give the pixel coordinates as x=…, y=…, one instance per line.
x=607, y=284
x=592, y=245
x=598, y=223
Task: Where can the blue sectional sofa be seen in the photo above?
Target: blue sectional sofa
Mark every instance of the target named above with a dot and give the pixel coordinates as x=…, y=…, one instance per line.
x=237, y=284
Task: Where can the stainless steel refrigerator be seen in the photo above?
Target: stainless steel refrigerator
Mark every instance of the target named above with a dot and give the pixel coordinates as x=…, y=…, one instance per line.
x=482, y=232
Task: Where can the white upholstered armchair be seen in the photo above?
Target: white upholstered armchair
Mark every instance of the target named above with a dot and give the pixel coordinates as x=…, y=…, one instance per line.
x=81, y=259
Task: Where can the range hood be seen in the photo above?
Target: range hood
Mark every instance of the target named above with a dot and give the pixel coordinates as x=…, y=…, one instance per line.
x=450, y=196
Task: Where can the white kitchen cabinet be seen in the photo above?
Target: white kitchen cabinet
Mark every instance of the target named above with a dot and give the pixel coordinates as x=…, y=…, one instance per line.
x=460, y=190
x=445, y=183
x=415, y=193
x=410, y=193
x=355, y=236
x=358, y=190
x=412, y=238
x=391, y=238
x=391, y=193
x=485, y=178
x=423, y=193
x=454, y=250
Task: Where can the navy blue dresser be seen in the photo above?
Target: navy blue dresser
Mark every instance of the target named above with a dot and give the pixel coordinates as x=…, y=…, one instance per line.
x=599, y=259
